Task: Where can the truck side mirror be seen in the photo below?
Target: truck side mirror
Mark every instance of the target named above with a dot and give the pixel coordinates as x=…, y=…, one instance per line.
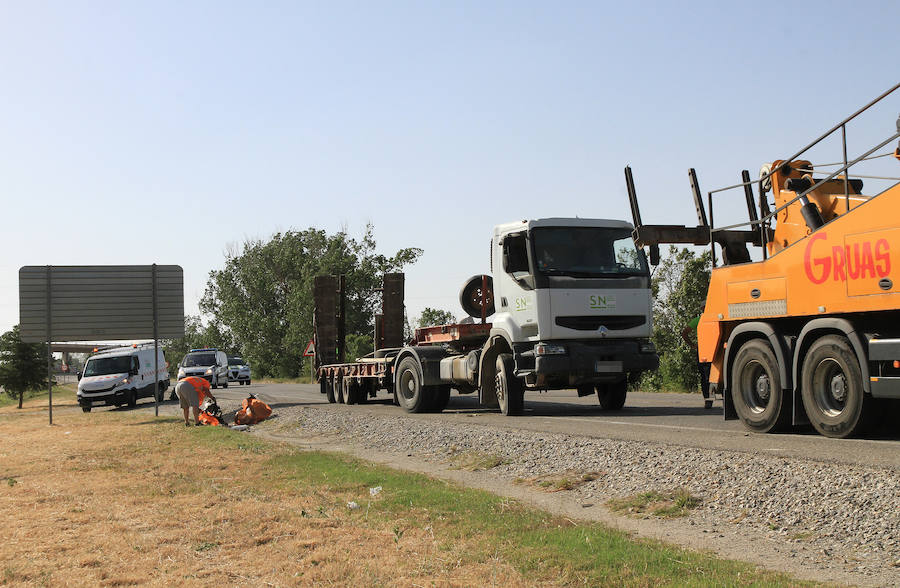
x=654, y=254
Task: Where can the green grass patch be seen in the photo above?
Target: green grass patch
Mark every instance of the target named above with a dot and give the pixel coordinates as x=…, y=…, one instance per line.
x=672, y=504
x=60, y=392
x=544, y=547
x=474, y=461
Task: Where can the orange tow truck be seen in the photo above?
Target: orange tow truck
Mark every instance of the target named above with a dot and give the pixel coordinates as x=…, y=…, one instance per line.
x=809, y=333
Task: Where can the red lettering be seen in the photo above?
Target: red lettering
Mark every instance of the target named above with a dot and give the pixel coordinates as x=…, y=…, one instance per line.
x=853, y=271
x=868, y=263
x=882, y=254
x=837, y=254
x=808, y=262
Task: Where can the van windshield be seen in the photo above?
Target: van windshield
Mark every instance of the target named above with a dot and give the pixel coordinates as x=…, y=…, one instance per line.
x=199, y=359
x=587, y=252
x=101, y=366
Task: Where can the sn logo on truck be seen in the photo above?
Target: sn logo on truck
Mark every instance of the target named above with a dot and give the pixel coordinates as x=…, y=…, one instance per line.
x=860, y=260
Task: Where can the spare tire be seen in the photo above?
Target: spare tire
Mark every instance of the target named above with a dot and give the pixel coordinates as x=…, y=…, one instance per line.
x=472, y=298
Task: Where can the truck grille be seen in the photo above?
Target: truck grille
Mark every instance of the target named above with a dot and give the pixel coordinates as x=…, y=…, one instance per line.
x=592, y=323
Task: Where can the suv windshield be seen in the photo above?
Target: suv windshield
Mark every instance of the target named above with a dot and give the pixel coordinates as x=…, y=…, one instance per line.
x=586, y=252
x=199, y=359
x=101, y=366
x=235, y=361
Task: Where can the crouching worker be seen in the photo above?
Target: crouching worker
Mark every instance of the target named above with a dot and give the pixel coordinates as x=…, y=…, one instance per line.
x=191, y=391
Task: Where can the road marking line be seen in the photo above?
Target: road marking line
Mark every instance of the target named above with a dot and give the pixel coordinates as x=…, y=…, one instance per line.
x=631, y=423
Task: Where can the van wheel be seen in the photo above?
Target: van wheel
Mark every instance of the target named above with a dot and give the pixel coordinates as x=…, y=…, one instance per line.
x=132, y=399
x=86, y=408
x=832, y=390
x=215, y=383
x=224, y=384
x=756, y=391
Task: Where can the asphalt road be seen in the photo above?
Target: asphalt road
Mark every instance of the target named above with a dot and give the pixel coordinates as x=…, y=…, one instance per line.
x=667, y=418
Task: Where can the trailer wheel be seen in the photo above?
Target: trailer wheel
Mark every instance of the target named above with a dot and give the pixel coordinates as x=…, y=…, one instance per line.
x=831, y=387
x=339, y=389
x=510, y=391
x=612, y=396
x=323, y=385
x=351, y=391
x=329, y=390
x=411, y=394
x=756, y=390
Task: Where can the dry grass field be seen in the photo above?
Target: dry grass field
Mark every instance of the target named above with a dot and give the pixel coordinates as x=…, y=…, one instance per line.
x=120, y=498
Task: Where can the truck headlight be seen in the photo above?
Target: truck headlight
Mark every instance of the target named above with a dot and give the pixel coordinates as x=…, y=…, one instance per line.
x=648, y=347
x=549, y=349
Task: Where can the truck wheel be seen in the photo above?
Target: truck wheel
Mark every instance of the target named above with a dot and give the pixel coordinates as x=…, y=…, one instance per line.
x=440, y=396
x=328, y=385
x=756, y=391
x=409, y=389
x=612, y=396
x=831, y=387
x=510, y=391
x=323, y=385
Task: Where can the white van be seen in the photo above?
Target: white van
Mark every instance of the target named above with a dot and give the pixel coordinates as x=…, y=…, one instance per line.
x=210, y=364
x=122, y=376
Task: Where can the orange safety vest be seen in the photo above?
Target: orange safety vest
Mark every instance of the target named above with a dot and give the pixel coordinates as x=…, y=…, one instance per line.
x=200, y=385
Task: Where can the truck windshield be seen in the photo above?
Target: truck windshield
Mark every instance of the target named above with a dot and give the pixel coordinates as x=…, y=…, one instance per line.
x=587, y=252
x=199, y=359
x=101, y=366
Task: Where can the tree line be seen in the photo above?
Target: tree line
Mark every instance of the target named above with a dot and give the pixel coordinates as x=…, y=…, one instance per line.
x=260, y=306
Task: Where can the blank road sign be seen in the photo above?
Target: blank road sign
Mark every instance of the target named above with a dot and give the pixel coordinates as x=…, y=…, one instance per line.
x=100, y=302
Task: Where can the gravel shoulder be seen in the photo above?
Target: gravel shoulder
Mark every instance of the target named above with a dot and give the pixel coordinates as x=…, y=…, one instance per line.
x=813, y=520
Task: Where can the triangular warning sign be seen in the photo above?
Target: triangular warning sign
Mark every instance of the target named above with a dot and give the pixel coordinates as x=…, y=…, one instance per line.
x=310, y=349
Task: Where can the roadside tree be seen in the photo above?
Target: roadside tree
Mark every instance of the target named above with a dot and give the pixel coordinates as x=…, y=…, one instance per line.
x=23, y=366
x=263, y=295
x=432, y=316
x=679, y=286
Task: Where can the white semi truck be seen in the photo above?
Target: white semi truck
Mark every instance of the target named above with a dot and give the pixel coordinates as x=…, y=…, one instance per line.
x=570, y=308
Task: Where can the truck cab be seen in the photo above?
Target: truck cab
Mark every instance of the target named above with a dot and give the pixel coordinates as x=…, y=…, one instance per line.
x=572, y=300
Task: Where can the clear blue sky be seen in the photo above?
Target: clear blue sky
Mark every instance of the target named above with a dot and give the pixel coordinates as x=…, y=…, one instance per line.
x=167, y=132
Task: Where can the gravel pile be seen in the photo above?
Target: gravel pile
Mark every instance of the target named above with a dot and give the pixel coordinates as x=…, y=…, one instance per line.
x=847, y=516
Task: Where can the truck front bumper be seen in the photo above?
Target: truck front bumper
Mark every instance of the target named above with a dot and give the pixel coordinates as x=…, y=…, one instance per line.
x=590, y=363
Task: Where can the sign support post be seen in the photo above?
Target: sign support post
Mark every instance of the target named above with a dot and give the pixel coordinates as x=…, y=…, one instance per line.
x=155, y=347
x=49, y=352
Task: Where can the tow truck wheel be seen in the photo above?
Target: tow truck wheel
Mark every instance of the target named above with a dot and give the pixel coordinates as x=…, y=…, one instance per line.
x=411, y=394
x=831, y=387
x=510, y=392
x=756, y=391
x=328, y=384
x=612, y=396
